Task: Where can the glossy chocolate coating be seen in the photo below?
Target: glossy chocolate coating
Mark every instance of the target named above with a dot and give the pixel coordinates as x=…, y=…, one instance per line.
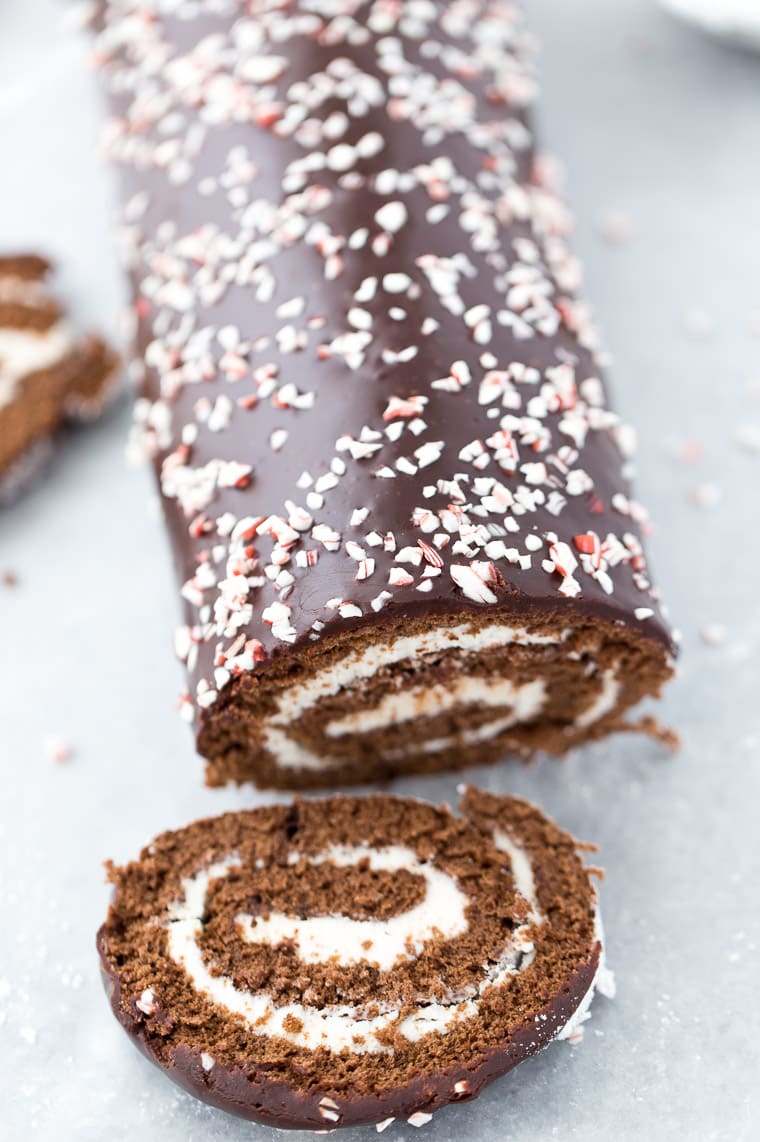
x=237, y=1091
x=465, y=102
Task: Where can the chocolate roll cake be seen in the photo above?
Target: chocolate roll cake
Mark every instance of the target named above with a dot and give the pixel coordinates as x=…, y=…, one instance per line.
x=397, y=496
x=352, y=960
x=48, y=374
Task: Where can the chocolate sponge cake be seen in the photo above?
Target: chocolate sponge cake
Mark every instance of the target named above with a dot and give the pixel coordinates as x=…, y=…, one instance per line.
x=48, y=374
x=352, y=960
x=397, y=494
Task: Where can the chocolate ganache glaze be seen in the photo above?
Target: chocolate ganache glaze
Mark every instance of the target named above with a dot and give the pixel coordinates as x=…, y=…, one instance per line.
x=397, y=497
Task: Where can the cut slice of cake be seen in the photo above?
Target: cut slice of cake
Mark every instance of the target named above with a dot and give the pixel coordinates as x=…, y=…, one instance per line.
x=350, y=960
x=49, y=374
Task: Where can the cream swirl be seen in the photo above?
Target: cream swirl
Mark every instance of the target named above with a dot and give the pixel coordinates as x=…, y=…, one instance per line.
x=442, y=914
x=25, y=351
x=518, y=702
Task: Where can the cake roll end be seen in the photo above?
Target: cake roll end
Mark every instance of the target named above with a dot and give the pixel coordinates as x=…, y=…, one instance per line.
x=398, y=497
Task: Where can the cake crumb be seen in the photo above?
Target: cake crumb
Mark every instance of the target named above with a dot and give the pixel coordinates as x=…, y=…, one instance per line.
x=10, y=579
x=381, y=1126
x=419, y=1118
x=648, y=725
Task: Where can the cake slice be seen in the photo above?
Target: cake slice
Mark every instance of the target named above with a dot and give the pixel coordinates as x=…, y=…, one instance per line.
x=352, y=960
x=48, y=373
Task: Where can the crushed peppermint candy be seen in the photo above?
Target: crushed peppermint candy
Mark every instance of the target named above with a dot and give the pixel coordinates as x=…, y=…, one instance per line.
x=147, y=1002
x=474, y=582
x=57, y=749
x=615, y=226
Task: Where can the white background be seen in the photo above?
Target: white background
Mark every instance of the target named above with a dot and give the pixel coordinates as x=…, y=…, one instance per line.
x=652, y=119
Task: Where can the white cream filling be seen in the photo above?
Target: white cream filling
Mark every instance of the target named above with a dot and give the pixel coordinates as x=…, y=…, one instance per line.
x=365, y=664
x=423, y=701
x=604, y=702
x=321, y=939
x=475, y=736
x=527, y=706
x=524, y=702
x=528, y=700
x=22, y=352
x=24, y=291
x=341, y=940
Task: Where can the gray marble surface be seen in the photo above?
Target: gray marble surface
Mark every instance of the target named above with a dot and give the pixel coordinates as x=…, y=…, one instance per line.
x=656, y=123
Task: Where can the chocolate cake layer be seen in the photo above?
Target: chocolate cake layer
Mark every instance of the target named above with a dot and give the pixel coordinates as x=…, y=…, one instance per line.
x=352, y=960
x=48, y=373
x=397, y=496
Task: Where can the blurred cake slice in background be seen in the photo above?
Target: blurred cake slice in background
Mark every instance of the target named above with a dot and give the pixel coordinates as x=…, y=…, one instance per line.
x=49, y=373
